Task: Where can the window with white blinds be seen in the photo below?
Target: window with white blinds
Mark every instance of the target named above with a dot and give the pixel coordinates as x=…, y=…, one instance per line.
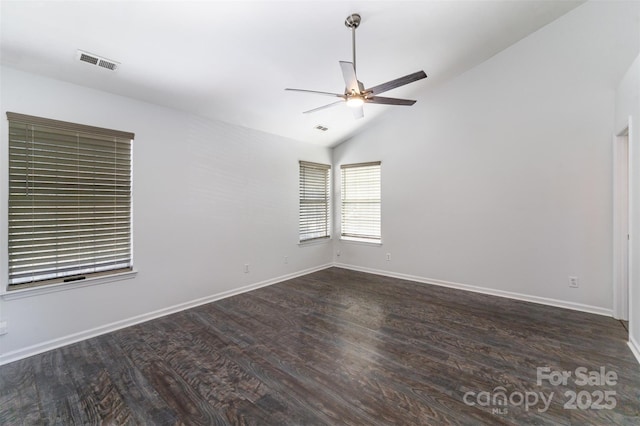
x=69, y=201
x=315, y=208
x=361, y=202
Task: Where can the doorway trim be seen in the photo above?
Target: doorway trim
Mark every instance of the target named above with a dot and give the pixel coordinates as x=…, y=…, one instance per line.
x=621, y=224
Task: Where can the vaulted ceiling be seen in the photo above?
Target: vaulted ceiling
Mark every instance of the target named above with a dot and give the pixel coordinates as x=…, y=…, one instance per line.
x=231, y=60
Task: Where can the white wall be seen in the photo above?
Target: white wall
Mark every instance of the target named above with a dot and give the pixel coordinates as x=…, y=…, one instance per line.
x=628, y=112
x=208, y=198
x=502, y=178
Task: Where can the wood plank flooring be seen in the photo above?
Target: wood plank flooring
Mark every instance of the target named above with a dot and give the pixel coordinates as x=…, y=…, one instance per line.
x=331, y=348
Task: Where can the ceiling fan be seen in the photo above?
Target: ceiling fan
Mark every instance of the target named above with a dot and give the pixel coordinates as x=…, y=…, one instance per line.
x=355, y=95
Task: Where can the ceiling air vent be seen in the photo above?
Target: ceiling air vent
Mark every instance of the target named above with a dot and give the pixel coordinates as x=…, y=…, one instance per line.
x=92, y=59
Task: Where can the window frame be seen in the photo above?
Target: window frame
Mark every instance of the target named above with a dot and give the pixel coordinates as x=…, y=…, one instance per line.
x=310, y=194
x=82, y=275
x=349, y=205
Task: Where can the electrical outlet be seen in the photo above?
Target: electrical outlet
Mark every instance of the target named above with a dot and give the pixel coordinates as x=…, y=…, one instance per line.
x=573, y=282
x=246, y=268
x=388, y=257
x=3, y=328
x=338, y=253
x=286, y=259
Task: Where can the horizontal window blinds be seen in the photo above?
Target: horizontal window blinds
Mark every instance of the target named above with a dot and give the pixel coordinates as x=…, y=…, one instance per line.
x=361, y=201
x=69, y=199
x=315, y=209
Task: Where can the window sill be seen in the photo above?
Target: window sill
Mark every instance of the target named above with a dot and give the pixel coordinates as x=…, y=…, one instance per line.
x=53, y=288
x=362, y=241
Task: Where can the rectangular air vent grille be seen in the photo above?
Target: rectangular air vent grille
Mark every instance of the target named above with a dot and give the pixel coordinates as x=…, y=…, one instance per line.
x=87, y=58
x=92, y=59
x=106, y=64
x=321, y=128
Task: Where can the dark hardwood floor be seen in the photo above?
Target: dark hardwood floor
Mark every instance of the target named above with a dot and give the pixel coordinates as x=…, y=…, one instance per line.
x=337, y=347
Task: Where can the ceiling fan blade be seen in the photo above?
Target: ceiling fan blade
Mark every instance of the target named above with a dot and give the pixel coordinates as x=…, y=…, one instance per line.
x=350, y=79
x=323, y=107
x=358, y=112
x=380, y=88
x=389, y=101
x=316, y=92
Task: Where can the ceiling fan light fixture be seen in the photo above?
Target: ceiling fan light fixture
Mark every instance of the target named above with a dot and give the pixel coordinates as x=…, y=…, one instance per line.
x=355, y=101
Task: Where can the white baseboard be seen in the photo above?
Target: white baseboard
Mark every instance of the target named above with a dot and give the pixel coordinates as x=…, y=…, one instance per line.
x=635, y=348
x=87, y=334
x=484, y=290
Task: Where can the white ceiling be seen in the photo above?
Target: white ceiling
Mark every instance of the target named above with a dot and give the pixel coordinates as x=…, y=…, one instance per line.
x=231, y=60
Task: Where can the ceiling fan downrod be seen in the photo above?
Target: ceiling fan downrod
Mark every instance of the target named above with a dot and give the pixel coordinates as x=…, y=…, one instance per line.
x=353, y=21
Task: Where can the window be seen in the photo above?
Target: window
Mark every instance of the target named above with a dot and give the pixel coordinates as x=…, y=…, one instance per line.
x=361, y=202
x=69, y=201
x=315, y=209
